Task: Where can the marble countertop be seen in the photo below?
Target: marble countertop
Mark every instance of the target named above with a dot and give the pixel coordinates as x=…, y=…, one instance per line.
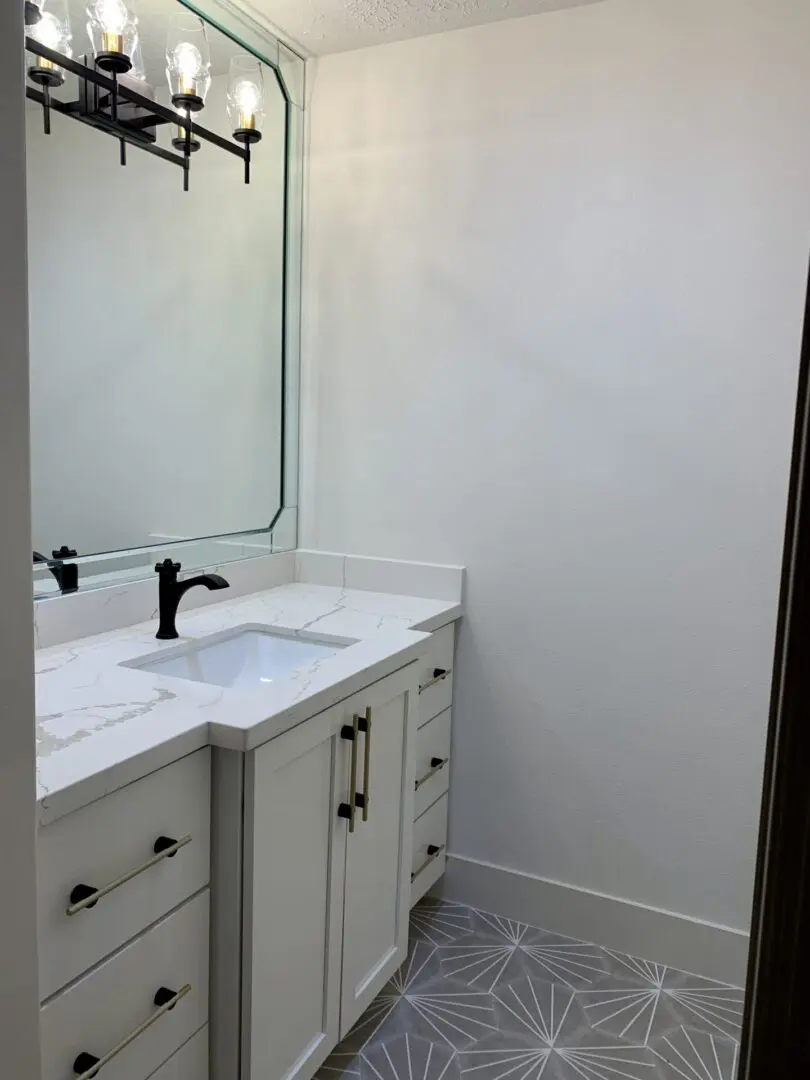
x=100, y=726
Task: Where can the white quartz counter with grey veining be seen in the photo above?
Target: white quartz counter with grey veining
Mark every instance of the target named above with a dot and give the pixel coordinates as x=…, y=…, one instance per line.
x=100, y=725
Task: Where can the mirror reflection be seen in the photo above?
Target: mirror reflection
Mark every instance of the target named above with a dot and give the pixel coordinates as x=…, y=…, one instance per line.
x=156, y=313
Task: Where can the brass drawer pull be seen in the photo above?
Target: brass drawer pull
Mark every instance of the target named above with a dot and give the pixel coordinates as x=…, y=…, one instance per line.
x=349, y=809
x=436, y=765
x=364, y=724
x=85, y=896
x=433, y=852
x=439, y=674
x=87, y=1065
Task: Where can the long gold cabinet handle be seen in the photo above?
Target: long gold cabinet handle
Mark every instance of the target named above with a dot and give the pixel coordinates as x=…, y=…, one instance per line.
x=436, y=765
x=86, y=896
x=433, y=852
x=88, y=1065
x=364, y=723
x=439, y=674
x=348, y=810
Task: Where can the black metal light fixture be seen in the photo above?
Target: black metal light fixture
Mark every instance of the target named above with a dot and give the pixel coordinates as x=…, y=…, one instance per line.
x=114, y=95
x=245, y=103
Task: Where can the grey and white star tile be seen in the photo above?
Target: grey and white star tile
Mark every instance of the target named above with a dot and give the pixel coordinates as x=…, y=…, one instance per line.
x=450, y=1013
x=340, y=1066
x=499, y=949
x=641, y=1000
x=409, y=1057
x=510, y=1056
x=536, y=1009
x=576, y=964
x=384, y=1017
x=440, y=922
x=687, y=1054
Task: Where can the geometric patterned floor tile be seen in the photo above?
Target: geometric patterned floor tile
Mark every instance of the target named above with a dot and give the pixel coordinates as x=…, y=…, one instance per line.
x=450, y=1013
x=440, y=922
x=481, y=997
x=538, y=1010
x=498, y=950
x=507, y=1056
x=340, y=1066
x=644, y=1000
x=575, y=964
x=409, y=1058
x=686, y=1054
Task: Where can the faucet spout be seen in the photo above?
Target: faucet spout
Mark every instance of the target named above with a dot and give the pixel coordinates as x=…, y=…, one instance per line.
x=171, y=591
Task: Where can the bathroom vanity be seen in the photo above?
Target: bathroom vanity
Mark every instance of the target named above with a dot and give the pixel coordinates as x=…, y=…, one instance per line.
x=226, y=872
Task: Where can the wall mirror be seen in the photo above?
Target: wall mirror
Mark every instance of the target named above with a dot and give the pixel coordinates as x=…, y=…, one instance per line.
x=164, y=288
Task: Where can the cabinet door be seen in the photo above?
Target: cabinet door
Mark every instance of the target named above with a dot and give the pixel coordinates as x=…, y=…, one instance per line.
x=293, y=899
x=378, y=851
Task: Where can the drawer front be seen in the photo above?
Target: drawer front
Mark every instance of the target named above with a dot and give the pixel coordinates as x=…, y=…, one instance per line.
x=103, y=843
x=190, y=1062
x=435, y=689
x=432, y=761
x=105, y=1008
x=429, y=833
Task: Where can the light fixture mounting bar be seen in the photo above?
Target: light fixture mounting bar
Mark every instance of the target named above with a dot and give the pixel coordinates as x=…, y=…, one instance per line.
x=161, y=113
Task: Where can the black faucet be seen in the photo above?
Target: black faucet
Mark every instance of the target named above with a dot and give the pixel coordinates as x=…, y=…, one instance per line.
x=66, y=574
x=171, y=592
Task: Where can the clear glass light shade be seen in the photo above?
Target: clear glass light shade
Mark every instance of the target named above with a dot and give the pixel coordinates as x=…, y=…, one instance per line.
x=113, y=31
x=53, y=31
x=188, y=61
x=246, y=96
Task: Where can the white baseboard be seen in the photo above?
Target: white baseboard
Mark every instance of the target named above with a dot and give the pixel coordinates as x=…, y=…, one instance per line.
x=716, y=952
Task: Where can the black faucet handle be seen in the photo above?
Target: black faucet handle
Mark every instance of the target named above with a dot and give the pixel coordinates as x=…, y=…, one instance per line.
x=167, y=567
x=64, y=552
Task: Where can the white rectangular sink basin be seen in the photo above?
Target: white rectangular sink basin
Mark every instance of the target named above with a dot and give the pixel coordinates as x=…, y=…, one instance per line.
x=244, y=657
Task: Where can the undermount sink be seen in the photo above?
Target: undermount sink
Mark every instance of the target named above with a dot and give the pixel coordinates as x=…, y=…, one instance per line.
x=245, y=657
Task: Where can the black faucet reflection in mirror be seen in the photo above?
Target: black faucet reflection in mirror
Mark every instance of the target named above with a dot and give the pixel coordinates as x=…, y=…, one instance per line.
x=97, y=105
x=171, y=592
x=66, y=573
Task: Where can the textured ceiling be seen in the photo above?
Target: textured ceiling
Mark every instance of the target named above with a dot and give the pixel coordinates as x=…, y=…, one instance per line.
x=327, y=26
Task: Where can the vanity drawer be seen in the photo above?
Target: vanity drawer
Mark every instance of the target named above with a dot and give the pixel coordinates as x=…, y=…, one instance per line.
x=106, y=842
x=115, y=1003
x=435, y=688
x=429, y=846
x=190, y=1062
x=432, y=761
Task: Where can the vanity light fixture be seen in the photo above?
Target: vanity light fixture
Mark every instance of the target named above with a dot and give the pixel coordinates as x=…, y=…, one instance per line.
x=245, y=103
x=188, y=62
x=113, y=33
x=116, y=76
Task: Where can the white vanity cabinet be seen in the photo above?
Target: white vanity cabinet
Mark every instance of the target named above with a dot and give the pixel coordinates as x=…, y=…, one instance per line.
x=326, y=884
x=123, y=904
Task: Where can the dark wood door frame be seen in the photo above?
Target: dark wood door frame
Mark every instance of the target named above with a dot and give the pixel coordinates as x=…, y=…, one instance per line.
x=776, y=1034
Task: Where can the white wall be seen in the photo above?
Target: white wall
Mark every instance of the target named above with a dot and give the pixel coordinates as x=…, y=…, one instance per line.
x=556, y=271
x=19, y=997
x=155, y=335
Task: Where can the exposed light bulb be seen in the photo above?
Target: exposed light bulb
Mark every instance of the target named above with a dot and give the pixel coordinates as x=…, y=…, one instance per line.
x=48, y=31
x=111, y=14
x=248, y=98
x=189, y=65
x=113, y=31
